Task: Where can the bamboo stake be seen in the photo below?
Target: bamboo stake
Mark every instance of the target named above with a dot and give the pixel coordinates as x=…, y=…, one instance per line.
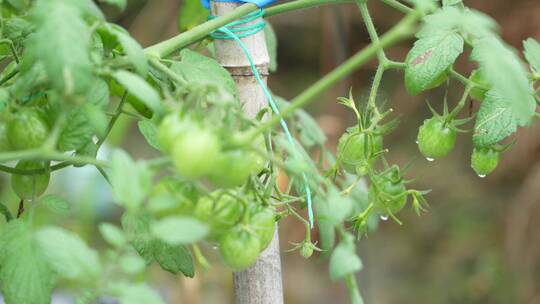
x=260, y=283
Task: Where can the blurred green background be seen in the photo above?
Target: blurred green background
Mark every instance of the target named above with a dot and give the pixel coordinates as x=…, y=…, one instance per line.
x=476, y=244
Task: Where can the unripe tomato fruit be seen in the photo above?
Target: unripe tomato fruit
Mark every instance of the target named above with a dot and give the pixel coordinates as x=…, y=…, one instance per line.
x=220, y=212
x=306, y=250
x=234, y=167
x=239, y=248
x=194, y=154
x=30, y=186
x=170, y=128
x=385, y=195
x=27, y=130
x=484, y=160
x=263, y=222
x=435, y=140
x=354, y=154
x=4, y=141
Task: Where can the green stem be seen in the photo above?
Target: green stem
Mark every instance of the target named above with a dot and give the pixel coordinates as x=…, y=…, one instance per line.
x=362, y=4
x=167, y=71
x=398, y=33
x=398, y=6
x=113, y=120
x=375, y=89
x=352, y=286
x=199, y=32
x=42, y=154
x=299, y=5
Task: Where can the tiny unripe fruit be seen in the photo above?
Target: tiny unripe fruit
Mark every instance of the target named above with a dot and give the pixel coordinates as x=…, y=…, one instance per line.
x=484, y=160
x=435, y=139
x=30, y=186
x=306, y=250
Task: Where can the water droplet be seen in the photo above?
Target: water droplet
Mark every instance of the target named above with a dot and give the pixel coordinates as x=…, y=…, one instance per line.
x=481, y=175
x=429, y=159
x=215, y=247
x=384, y=217
x=416, y=142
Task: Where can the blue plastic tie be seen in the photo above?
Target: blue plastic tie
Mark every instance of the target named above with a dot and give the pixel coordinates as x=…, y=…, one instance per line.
x=235, y=31
x=259, y=3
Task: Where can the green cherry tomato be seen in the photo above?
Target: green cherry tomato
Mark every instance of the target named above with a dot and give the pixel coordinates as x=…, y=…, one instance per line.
x=435, y=140
x=220, y=211
x=234, y=167
x=27, y=130
x=263, y=222
x=29, y=186
x=354, y=155
x=4, y=141
x=194, y=154
x=388, y=195
x=484, y=160
x=239, y=248
x=170, y=128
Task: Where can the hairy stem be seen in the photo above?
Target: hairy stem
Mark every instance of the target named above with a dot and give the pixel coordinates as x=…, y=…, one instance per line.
x=398, y=6
x=299, y=5
x=199, y=32
x=362, y=4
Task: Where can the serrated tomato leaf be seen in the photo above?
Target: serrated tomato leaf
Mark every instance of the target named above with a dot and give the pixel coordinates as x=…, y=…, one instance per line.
x=429, y=59
x=505, y=72
x=532, y=53
x=494, y=122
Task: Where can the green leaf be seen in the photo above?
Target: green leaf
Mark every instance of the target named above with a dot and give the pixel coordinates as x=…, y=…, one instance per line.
x=4, y=210
x=532, y=53
x=132, y=264
x=19, y=4
x=131, y=47
x=192, y=13
x=61, y=43
x=344, y=259
x=494, y=122
x=139, y=294
x=17, y=29
x=333, y=207
x=55, y=203
x=451, y=2
x=309, y=130
x=78, y=131
x=148, y=129
x=69, y=256
x=471, y=23
x=120, y=4
x=272, y=46
x=174, y=259
x=139, y=88
x=25, y=275
x=429, y=60
x=505, y=72
x=176, y=230
x=112, y=235
x=131, y=182
x=197, y=68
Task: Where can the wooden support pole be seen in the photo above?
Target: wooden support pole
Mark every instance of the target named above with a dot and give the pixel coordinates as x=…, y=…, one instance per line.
x=261, y=283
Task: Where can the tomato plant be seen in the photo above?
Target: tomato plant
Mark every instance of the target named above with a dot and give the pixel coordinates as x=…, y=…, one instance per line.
x=68, y=75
